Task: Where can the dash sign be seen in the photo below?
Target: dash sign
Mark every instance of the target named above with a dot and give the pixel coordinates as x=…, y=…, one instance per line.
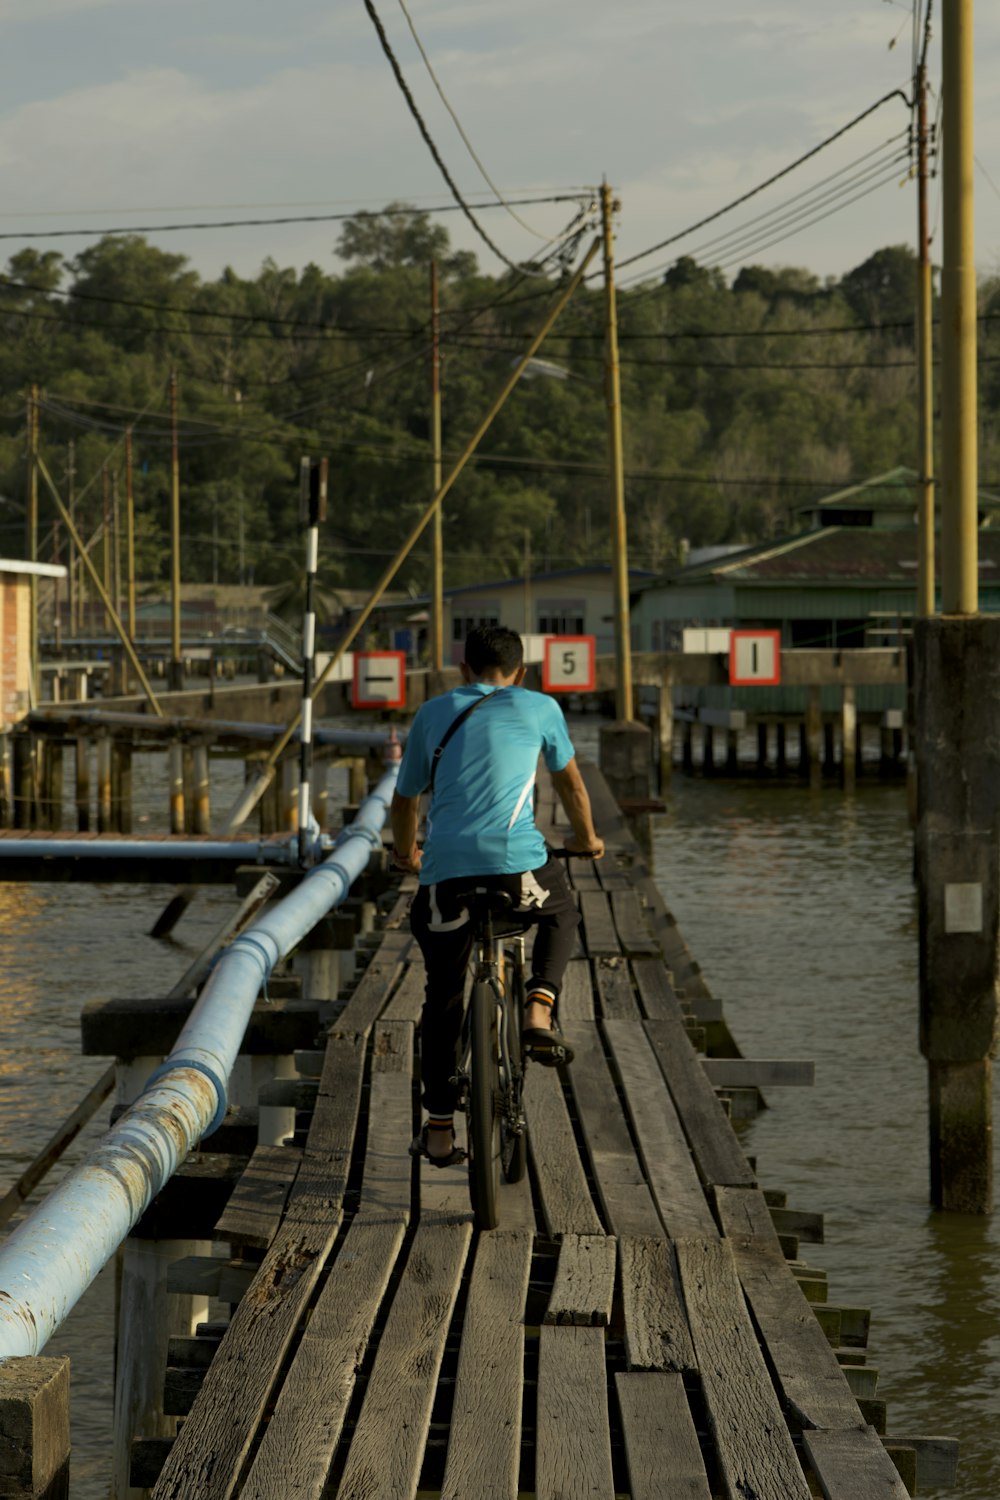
x=379, y=679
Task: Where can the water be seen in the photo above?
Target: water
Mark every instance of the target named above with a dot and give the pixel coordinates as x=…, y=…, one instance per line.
x=799, y=908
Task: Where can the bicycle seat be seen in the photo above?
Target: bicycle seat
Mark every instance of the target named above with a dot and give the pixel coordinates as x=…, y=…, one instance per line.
x=499, y=905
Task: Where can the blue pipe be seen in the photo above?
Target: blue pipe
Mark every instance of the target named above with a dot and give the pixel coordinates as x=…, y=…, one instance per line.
x=53, y=1256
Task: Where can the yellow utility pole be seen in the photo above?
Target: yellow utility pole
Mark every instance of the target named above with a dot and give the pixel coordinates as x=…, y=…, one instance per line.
x=32, y=540
x=437, y=543
x=74, y=587
x=619, y=542
x=176, y=662
x=959, y=498
x=106, y=542
x=925, y=368
x=129, y=534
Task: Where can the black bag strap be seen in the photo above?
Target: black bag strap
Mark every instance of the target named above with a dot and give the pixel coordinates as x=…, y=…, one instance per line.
x=453, y=727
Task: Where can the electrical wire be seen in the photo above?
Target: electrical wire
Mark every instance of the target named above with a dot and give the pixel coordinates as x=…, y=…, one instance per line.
x=428, y=141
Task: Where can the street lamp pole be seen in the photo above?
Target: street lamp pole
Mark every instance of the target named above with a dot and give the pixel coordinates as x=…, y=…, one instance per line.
x=619, y=542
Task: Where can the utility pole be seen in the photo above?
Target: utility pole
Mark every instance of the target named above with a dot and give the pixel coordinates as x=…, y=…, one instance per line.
x=925, y=367
x=176, y=660
x=619, y=542
x=32, y=542
x=437, y=543
x=74, y=600
x=527, y=580
x=957, y=699
x=106, y=544
x=130, y=534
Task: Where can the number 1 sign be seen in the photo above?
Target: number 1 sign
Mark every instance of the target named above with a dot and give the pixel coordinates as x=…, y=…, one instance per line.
x=568, y=665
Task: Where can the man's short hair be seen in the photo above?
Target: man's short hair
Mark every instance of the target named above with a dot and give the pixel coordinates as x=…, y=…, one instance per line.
x=494, y=646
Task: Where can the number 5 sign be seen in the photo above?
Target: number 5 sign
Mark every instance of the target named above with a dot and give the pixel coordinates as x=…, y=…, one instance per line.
x=568, y=665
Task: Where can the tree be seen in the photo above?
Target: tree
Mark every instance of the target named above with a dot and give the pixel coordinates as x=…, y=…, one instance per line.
x=883, y=288
x=401, y=235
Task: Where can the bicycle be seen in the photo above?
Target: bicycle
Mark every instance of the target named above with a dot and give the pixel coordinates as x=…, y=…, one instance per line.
x=490, y=1077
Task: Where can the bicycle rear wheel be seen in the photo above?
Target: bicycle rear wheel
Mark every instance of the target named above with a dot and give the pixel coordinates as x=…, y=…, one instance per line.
x=514, y=1141
x=484, y=1122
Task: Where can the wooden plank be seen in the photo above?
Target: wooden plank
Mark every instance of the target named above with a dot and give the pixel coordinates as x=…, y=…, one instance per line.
x=758, y=1072
x=576, y=998
x=599, y=929
x=562, y=1183
x=806, y=1370
x=386, y=1186
x=661, y=1442
x=253, y=1214
x=573, y=1440
x=657, y=1336
x=716, y=1150
x=387, y=1448
x=754, y=1448
x=444, y=1191
x=633, y=933
x=374, y=988
x=214, y=1442
x=625, y=1198
x=614, y=985
x=666, y=1159
x=408, y=1000
x=937, y=1459
x=585, y=1282
x=300, y=1441
x=484, y=1440
x=852, y=1462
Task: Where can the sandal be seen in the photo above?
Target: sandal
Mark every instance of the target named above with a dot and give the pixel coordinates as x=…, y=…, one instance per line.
x=418, y=1147
x=547, y=1045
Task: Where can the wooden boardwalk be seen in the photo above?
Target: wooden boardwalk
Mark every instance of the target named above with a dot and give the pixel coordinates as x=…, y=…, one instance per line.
x=640, y=1325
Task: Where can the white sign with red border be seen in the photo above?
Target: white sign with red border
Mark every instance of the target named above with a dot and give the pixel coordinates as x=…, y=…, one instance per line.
x=569, y=664
x=755, y=658
x=379, y=679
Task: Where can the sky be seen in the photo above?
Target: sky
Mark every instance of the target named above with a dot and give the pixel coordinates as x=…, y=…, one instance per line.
x=137, y=114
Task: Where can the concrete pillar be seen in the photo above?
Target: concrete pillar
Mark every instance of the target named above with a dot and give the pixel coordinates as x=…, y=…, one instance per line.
x=957, y=703
x=626, y=764
x=289, y=773
x=814, y=737
x=708, y=750
x=848, y=738
x=762, y=748
x=780, y=754
x=666, y=727
x=53, y=795
x=24, y=780
x=187, y=765
x=321, y=792
x=732, y=752
x=123, y=786
x=687, y=748
x=34, y=1428
x=357, y=780
x=6, y=783
x=829, y=749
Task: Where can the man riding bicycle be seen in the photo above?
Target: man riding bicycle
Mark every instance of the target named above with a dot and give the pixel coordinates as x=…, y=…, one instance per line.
x=476, y=749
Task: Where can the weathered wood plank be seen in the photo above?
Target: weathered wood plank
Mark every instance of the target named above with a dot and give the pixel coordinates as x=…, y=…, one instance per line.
x=625, y=1198
x=758, y=1072
x=484, y=1442
x=573, y=1440
x=633, y=933
x=300, y=1441
x=444, y=1191
x=585, y=1282
x=253, y=1214
x=657, y=1336
x=714, y=1146
x=599, y=929
x=408, y=999
x=576, y=999
x=754, y=1448
x=614, y=985
x=661, y=1442
x=808, y=1375
x=213, y=1443
x=387, y=1183
x=387, y=1448
x=937, y=1459
x=852, y=1462
x=374, y=988
x=562, y=1183
x=666, y=1158
x=806, y=1224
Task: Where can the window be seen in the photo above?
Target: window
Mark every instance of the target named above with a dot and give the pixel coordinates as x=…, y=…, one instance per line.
x=462, y=624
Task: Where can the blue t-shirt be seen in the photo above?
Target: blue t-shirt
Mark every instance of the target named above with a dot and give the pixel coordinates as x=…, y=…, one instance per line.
x=481, y=819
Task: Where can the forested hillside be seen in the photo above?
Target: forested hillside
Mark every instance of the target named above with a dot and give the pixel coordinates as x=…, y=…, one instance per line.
x=741, y=400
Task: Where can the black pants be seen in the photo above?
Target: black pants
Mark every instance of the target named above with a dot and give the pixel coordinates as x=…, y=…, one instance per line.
x=543, y=899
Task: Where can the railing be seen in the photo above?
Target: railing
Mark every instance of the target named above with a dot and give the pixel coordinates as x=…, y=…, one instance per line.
x=53, y=1256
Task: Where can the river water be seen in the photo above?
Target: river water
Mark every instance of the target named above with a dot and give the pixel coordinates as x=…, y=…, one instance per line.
x=800, y=909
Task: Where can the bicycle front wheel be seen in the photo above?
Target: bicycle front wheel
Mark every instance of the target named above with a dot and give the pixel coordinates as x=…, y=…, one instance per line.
x=484, y=1122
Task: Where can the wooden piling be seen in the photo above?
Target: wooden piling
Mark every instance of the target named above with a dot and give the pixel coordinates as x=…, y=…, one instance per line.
x=357, y=780
x=814, y=737
x=34, y=1428
x=24, y=781
x=202, y=789
x=666, y=727
x=123, y=785
x=733, y=752
x=849, y=756
x=53, y=785
x=105, y=798
x=762, y=747
x=289, y=807
x=6, y=783
x=175, y=773
x=83, y=783
x=780, y=751
x=687, y=748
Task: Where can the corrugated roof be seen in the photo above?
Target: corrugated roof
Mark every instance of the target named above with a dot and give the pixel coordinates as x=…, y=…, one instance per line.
x=896, y=489
x=838, y=554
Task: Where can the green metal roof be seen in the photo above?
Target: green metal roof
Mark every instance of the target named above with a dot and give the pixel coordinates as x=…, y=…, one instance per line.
x=896, y=489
